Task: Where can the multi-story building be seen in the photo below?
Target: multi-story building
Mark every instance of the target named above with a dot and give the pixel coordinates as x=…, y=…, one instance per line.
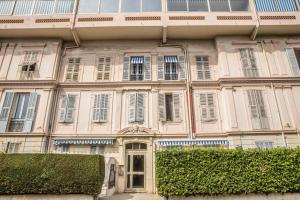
x=125, y=78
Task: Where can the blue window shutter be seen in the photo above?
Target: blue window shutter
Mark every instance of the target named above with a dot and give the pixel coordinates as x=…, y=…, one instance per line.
x=147, y=67
x=30, y=114
x=126, y=66
x=160, y=68
x=181, y=66
x=5, y=111
x=293, y=61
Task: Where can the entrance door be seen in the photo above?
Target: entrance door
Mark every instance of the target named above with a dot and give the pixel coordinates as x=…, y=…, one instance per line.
x=135, y=169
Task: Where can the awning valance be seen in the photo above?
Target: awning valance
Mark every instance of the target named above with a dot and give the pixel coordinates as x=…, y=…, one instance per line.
x=137, y=60
x=171, y=59
x=192, y=142
x=83, y=141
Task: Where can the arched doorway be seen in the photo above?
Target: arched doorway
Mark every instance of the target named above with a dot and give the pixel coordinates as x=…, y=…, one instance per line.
x=136, y=167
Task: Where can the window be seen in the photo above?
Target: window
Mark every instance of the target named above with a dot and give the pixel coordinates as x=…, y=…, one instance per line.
x=169, y=107
x=203, y=70
x=136, y=107
x=137, y=68
x=151, y=6
x=13, y=147
x=73, y=69
x=207, y=107
x=136, y=146
x=6, y=7
x=109, y=6
x=47, y=7
x=131, y=5
x=67, y=109
x=264, y=144
x=28, y=66
x=294, y=60
x=208, y=5
x=170, y=68
x=63, y=148
x=276, y=5
x=248, y=62
x=103, y=68
x=257, y=109
x=18, y=112
x=90, y=6
x=96, y=149
x=100, y=108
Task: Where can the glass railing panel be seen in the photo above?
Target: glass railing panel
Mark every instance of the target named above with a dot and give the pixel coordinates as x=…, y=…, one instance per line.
x=177, y=5
x=219, y=6
x=109, y=6
x=23, y=7
x=276, y=5
x=64, y=6
x=89, y=6
x=131, y=6
x=44, y=7
x=197, y=5
x=6, y=7
x=239, y=5
x=151, y=6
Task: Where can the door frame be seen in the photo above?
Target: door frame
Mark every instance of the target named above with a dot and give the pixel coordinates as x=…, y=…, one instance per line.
x=131, y=173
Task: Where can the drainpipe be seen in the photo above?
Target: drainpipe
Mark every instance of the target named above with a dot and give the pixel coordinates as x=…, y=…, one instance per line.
x=73, y=30
x=189, y=97
x=273, y=90
x=256, y=29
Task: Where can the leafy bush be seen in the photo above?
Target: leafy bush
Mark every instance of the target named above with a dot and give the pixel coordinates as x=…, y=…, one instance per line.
x=51, y=174
x=221, y=172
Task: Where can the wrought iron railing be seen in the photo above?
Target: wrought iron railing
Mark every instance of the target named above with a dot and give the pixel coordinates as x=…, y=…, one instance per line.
x=16, y=125
x=136, y=77
x=171, y=76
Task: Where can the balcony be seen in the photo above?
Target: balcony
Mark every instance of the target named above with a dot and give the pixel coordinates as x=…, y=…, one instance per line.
x=146, y=19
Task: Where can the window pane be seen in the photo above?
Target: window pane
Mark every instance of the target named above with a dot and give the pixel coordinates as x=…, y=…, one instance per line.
x=151, y=5
x=21, y=106
x=44, y=7
x=219, y=5
x=131, y=5
x=177, y=5
x=64, y=6
x=109, y=6
x=23, y=7
x=198, y=5
x=239, y=5
x=169, y=107
x=6, y=7
x=88, y=6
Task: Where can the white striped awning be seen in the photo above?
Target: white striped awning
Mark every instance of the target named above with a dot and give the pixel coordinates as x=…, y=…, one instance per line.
x=83, y=141
x=192, y=142
x=171, y=59
x=137, y=60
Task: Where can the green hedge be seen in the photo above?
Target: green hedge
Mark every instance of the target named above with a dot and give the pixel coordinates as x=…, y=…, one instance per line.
x=221, y=172
x=51, y=174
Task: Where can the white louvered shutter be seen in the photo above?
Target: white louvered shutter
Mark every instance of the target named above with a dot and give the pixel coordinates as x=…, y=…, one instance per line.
x=140, y=107
x=30, y=113
x=126, y=66
x=162, y=107
x=181, y=65
x=203, y=107
x=293, y=61
x=63, y=108
x=70, y=108
x=131, y=107
x=207, y=107
x=176, y=107
x=104, y=107
x=147, y=67
x=262, y=109
x=5, y=111
x=211, y=106
x=73, y=69
x=203, y=70
x=160, y=68
x=104, y=68
x=96, y=108
x=248, y=62
x=253, y=107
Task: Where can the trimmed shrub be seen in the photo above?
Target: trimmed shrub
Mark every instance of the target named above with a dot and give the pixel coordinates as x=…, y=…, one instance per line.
x=222, y=172
x=51, y=174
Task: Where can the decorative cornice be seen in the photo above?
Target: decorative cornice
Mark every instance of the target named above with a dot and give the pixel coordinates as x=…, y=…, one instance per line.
x=28, y=84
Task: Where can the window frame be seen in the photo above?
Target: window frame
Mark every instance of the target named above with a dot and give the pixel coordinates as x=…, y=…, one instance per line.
x=73, y=70
x=203, y=62
x=264, y=144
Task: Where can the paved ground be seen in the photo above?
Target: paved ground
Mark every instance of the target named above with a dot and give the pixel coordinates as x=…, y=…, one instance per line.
x=134, y=196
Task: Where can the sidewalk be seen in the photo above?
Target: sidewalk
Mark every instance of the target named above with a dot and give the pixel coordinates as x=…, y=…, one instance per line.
x=135, y=196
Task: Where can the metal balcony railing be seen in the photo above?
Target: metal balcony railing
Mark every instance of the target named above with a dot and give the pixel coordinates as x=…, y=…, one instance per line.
x=136, y=77
x=171, y=76
x=16, y=125
x=276, y=5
